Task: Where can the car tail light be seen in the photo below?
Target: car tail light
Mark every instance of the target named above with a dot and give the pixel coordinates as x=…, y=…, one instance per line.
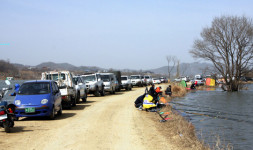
x=2, y=112
x=10, y=110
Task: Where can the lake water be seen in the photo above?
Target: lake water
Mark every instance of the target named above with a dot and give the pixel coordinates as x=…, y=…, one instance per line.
x=215, y=112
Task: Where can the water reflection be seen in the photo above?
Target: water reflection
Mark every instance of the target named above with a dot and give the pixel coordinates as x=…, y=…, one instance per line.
x=215, y=112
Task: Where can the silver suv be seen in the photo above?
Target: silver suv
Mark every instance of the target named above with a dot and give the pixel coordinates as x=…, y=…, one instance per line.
x=94, y=84
x=136, y=80
x=126, y=83
x=81, y=91
x=148, y=79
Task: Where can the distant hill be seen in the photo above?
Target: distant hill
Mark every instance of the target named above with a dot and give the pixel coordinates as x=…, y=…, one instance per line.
x=187, y=69
x=67, y=66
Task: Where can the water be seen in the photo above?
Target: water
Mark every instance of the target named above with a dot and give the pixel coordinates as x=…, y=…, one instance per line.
x=215, y=112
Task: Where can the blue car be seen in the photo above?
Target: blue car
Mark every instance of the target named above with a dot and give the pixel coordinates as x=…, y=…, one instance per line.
x=38, y=98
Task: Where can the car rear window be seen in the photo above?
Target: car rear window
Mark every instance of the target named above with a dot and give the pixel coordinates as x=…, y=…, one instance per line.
x=105, y=78
x=89, y=78
x=34, y=88
x=123, y=78
x=135, y=77
x=56, y=77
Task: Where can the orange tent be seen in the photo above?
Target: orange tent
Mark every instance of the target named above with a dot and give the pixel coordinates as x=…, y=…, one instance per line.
x=210, y=82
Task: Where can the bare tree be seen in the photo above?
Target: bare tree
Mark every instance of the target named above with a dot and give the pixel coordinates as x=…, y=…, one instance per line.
x=184, y=69
x=228, y=44
x=178, y=70
x=171, y=63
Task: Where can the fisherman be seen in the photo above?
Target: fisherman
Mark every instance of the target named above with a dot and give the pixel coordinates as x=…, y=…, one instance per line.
x=139, y=101
x=152, y=90
x=158, y=90
x=149, y=103
x=168, y=91
x=193, y=86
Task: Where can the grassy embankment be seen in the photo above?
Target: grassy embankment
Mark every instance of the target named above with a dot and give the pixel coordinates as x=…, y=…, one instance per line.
x=181, y=132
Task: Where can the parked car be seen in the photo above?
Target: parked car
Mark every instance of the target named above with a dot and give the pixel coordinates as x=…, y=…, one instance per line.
x=38, y=98
x=94, y=84
x=186, y=78
x=81, y=91
x=163, y=80
x=149, y=79
x=109, y=82
x=126, y=83
x=144, y=81
x=136, y=80
x=199, y=80
x=177, y=79
x=156, y=81
x=64, y=80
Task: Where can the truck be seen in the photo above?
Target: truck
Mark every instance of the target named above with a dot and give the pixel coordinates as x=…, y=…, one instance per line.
x=64, y=80
x=94, y=84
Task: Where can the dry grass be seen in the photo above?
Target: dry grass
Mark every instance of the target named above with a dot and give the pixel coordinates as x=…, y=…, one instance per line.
x=179, y=131
x=178, y=90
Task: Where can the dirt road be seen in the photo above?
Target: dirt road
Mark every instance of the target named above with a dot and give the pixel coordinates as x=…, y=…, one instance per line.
x=109, y=122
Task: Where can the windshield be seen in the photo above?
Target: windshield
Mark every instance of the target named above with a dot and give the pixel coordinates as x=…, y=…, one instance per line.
x=89, y=78
x=75, y=79
x=34, y=88
x=105, y=78
x=135, y=77
x=55, y=77
x=146, y=77
x=123, y=78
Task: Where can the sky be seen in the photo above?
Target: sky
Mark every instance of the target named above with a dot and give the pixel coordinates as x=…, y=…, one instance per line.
x=119, y=34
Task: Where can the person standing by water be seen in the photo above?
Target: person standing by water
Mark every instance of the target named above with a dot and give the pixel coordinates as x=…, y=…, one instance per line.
x=168, y=91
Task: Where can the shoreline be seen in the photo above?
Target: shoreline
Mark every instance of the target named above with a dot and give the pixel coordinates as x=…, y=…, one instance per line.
x=181, y=132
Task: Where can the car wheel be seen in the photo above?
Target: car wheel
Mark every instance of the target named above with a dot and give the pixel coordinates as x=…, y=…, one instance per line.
x=84, y=99
x=73, y=101
x=59, y=113
x=52, y=115
x=96, y=93
x=102, y=93
x=78, y=98
x=6, y=127
x=15, y=118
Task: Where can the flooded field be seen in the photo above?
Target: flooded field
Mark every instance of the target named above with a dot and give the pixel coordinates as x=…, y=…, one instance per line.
x=218, y=113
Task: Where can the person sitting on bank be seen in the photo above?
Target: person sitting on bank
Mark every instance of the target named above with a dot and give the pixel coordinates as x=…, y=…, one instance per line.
x=193, y=86
x=139, y=101
x=168, y=91
x=158, y=90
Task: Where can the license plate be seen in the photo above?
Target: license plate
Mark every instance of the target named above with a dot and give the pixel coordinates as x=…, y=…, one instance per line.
x=30, y=110
x=3, y=117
